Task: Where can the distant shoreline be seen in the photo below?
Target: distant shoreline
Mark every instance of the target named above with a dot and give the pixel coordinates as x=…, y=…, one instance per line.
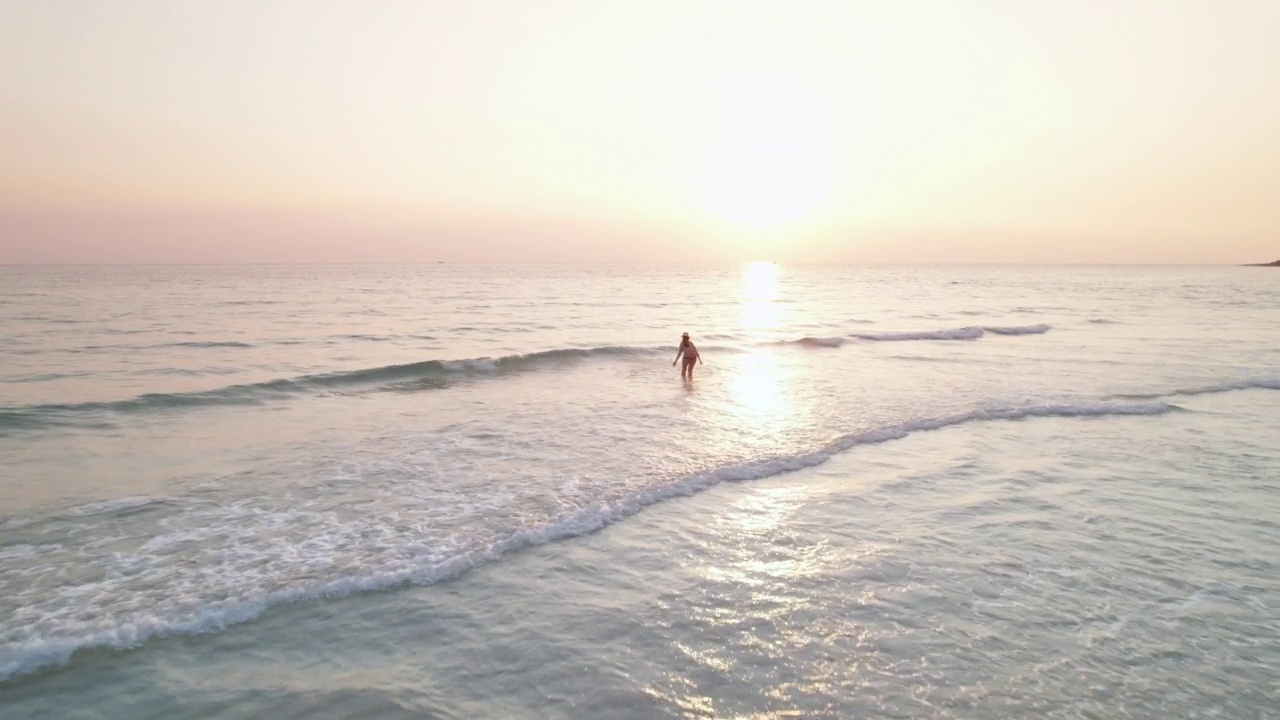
x=1270, y=264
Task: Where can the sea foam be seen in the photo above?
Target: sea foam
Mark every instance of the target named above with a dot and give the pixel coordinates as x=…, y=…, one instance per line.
x=61, y=634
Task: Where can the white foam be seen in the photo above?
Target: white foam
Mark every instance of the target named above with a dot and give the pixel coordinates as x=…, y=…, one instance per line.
x=831, y=342
x=964, y=333
x=110, y=507
x=1018, y=329
x=191, y=606
x=26, y=551
x=483, y=364
x=1251, y=384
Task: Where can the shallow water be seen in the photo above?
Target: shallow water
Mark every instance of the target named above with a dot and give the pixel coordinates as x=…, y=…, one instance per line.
x=461, y=491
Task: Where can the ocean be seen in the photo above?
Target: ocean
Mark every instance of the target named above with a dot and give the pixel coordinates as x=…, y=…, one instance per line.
x=465, y=491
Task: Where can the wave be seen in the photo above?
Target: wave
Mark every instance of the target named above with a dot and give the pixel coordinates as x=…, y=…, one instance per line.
x=154, y=346
x=48, y=415
x=927, y=358
x=1037, y=329
x=964, y=333
x=205, y=344
x=827, y=342
x=47, y=377
x=1253, y=384
x=115, y=507
x=20, y=657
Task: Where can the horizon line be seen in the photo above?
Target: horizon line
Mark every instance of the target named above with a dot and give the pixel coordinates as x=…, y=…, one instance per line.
x=625, y=262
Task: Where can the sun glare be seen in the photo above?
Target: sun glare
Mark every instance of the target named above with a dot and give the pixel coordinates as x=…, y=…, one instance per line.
x=769, y=167
x=759, y=389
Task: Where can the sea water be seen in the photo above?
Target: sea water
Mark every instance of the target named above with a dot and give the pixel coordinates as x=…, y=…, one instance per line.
x=484, y=491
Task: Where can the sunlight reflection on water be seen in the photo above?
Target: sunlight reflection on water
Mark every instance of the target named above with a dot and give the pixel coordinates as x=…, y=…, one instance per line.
x=760, y=308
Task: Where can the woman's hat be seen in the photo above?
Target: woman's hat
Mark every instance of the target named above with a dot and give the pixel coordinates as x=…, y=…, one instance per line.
x=684, y=335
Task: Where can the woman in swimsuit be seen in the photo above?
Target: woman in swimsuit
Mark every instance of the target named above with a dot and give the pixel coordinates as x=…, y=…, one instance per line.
x=690, y=355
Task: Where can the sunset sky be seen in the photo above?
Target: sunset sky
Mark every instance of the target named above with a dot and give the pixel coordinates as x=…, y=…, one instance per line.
x=539, y=130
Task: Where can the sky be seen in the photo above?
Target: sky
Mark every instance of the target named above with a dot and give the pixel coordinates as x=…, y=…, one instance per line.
x=1094, y=131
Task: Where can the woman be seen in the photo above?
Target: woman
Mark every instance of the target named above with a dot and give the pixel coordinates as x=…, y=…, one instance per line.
x=689, y=353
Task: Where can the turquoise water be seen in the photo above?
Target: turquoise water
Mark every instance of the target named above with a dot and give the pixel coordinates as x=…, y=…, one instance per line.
x=465, y=491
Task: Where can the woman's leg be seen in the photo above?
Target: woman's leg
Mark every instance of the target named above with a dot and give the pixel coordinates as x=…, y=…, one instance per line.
x=686, y=370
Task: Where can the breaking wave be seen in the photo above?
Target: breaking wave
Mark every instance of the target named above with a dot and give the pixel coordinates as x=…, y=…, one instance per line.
x=127, y=625
x=1213, y=389
x=964, y=333
x=1038, y=329
x=45, y=415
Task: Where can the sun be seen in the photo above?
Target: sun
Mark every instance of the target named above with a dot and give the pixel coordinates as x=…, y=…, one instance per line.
x=765, y=182
x=769, y=166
